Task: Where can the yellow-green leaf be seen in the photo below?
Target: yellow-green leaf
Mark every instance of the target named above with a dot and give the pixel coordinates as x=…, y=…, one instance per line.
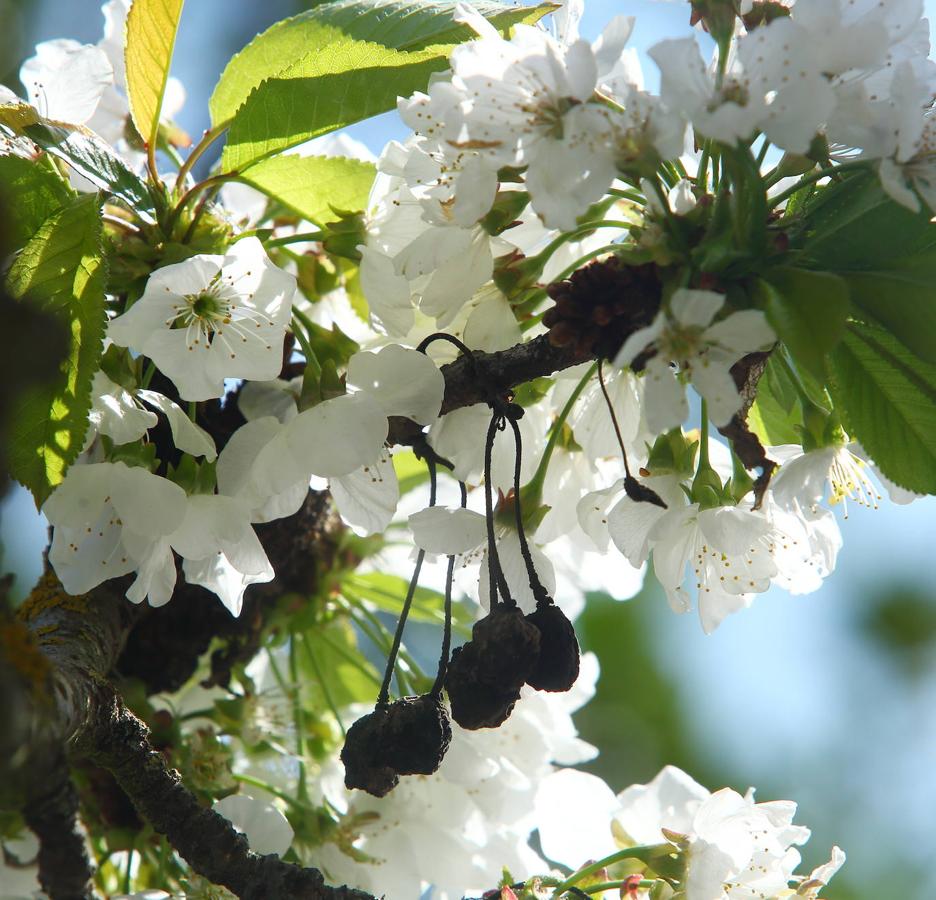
x=313, y=186
x=339, y=81
x=61, y=272
x=151, y=33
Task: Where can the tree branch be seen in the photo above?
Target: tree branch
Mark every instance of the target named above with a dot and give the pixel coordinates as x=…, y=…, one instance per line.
x=117, y=740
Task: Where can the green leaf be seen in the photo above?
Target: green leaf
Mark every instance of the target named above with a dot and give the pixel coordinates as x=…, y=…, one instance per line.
x=887, y=398
x=85, y=152
x=388, y=591
x=399, y=25
x=903, y=299
x=417, y=24
x=61, y=272
x=854, y=225
x=151, y=33
x=313, y=186
x=885, y=252
x=336, y=672
x=776, y=408
x=808, y=311
x=411, y=471
x=338, y=81
x=33, y=192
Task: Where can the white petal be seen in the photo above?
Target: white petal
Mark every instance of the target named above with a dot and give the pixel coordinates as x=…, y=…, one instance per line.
x=65, y=80
x=186, y=434
x=515, y=572
x=267, y=398
x=156, y=577
x=367, y=498
x=113, y=412
x=439, y=529
x=459, y=436
x=741, y=332
x=404, y=382
x=669, y=801
x=573, y=813
x=148, y=504
x=210, y=521
x=218, y=575
x=338, y=436
x=713, y=380
x=266, y=828
x=629, y=523
x=698, y=308
x=665, y=404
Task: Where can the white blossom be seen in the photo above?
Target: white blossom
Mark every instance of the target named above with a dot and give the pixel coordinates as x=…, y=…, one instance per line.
x=704, y=351
x=211, y=318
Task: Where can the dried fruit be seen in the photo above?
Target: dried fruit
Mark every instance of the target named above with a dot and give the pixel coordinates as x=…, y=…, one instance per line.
x=557, y=667
x=365, y=767
x=416, y=734
x=507, y=647
x=475, y=703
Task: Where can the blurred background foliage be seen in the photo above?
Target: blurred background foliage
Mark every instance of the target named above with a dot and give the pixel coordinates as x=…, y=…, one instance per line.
x=828, y=699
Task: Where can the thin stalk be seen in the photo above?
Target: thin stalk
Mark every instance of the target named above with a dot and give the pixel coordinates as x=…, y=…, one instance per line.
x=614, y=419
x=191, y=194
x=497, y=581
x=539, y=476
x=298, y=720
x=127, y=872
x=578, y=231
x=636, y=196
x=643, y=885
x=384, y=695
x=645, y=852
x=207, y=197
x=207, y=139
x=269, y=788
x=702, y=174
x=148, y=374
x=296, y=238
x=704, y=438
x=536, y=586
x=129, y=227
x=447, y=627
x=829, y=172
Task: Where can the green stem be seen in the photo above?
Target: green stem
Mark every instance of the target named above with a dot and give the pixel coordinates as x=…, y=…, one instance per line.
x=634, y=195
x=298, y=720
x=191, y=194
x=644, y=852
x=148, y=374
x=302, y=337
x=704, y=439
x=643, y=885
x=578, y=231
x=127, y=872
x=269, y=788
x=208, y=138
x=812, y=177
x=535, y=484
x=296, y=238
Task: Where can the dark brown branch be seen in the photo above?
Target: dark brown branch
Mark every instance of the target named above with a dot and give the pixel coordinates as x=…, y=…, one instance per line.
x=118, y=741
x=470, y=380
x=64, y=867
x=746, y=373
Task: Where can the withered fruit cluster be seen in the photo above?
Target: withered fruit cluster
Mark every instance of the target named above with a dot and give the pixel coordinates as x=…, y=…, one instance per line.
x=406, y=737
x=600, y=305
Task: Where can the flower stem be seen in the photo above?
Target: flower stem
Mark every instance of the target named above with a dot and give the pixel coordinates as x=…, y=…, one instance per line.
x=296, y=238
x=207, y=139
x=298, y=720
x=535, y=484
x=497, y=581
x=384, y=696
x=269, y=788
x=812, y=177
x=644, y=852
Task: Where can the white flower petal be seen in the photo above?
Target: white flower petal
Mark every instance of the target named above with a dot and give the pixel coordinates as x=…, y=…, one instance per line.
x=266, y=828
x=404, y=382
x=338, y=436
x=368, y=497
x=186, y=434
x=439, y=529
